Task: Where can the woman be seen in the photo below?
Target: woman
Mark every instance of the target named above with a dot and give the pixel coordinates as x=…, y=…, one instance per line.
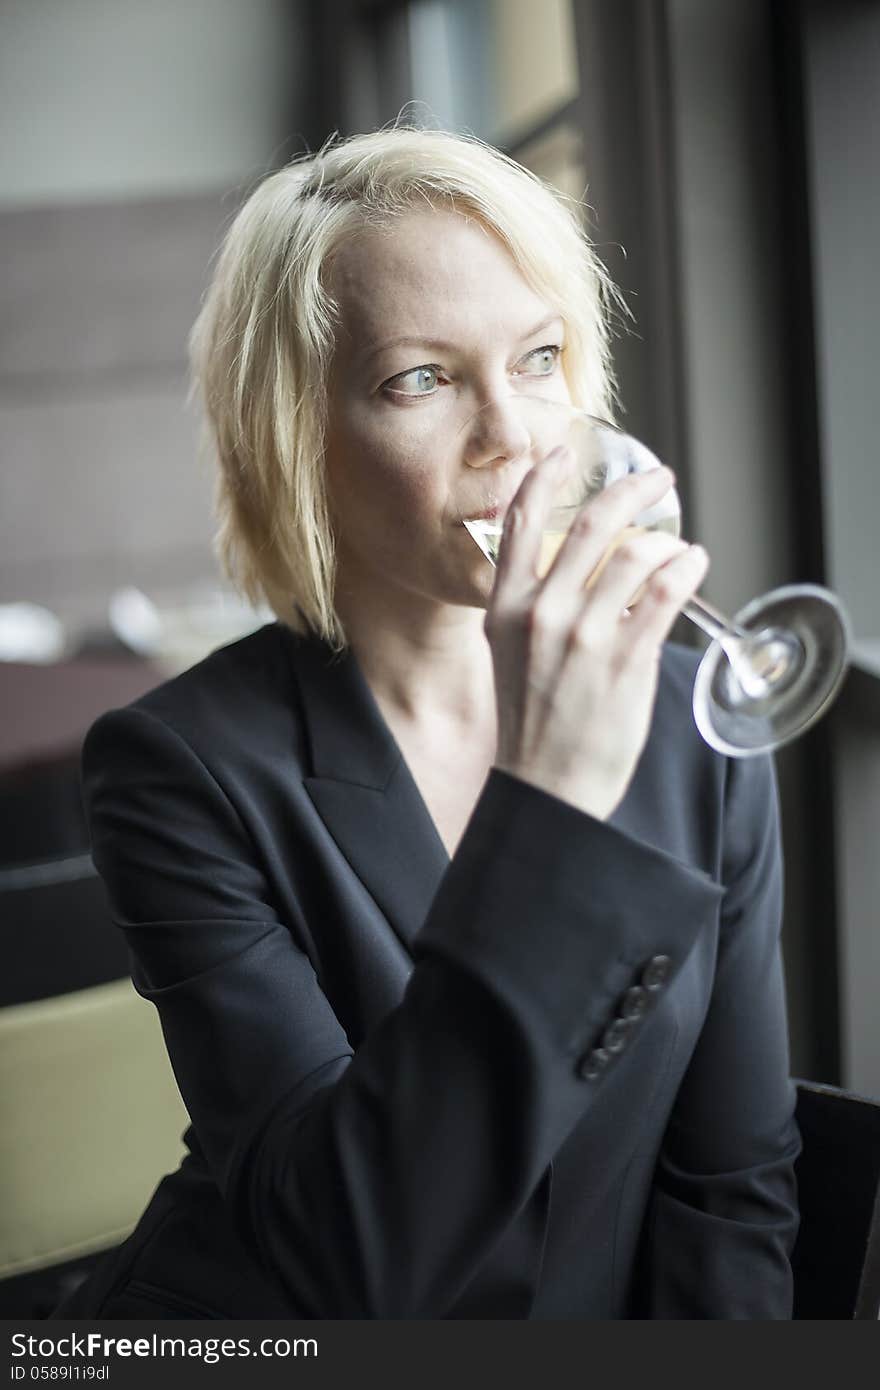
x=465, y=945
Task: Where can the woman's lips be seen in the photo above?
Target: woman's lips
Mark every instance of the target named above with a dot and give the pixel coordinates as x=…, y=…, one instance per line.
x=492, y=512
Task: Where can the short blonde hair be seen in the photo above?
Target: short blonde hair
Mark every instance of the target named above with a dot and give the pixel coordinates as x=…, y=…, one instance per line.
x=262, y=345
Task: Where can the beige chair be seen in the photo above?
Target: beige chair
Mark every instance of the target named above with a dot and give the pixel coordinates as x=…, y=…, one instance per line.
x=90, y=1120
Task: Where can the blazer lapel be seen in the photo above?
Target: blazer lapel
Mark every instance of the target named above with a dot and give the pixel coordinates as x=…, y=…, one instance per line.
x=363, y=790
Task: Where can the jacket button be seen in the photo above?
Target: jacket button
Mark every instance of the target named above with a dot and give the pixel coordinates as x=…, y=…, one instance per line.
x=656, y=972
x=614, y=1039
x=594, y=1063
x=634, y=1002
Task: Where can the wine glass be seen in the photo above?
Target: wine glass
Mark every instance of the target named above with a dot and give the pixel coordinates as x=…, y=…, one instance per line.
x=770, y=672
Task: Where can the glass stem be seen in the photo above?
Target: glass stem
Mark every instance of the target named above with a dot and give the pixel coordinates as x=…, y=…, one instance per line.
x=735, y=642
x=712, y=621
x=762, y=662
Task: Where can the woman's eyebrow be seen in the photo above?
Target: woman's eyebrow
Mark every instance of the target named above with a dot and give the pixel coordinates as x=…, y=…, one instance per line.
x=541, y=327
x=433, y=344
x=441, y=345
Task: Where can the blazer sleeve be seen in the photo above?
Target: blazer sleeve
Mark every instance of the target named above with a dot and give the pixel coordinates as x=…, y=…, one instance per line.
x=374, y=1184
x=723, y=1216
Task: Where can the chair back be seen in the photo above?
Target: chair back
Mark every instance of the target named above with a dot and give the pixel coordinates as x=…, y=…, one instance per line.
x=836, y=1259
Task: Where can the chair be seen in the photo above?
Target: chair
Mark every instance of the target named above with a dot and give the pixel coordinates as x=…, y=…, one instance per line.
x=90, y=1114
x=836, y=1259
x=90, y=1120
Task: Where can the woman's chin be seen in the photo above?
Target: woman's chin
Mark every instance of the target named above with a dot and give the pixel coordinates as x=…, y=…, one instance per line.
x=474, y=590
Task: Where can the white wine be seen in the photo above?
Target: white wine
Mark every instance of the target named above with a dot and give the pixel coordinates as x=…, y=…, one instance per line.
x=487, y=535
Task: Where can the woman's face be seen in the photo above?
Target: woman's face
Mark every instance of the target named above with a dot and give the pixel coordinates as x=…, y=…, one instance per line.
x=436, y=321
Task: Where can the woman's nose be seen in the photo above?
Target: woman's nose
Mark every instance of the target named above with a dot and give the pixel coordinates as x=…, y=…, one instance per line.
x=496, y=434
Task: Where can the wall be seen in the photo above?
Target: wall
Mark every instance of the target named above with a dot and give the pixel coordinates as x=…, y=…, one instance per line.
x=129, y=132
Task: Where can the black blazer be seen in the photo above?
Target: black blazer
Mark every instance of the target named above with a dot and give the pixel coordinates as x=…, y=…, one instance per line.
x=546, y=1079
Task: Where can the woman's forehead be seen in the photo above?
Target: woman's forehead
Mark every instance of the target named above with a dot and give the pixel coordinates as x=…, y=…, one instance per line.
x=436, y=264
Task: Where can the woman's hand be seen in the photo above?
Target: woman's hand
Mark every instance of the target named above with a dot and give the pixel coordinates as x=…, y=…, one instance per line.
x=575, y=674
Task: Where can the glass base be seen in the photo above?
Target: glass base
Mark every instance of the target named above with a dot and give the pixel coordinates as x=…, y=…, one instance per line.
x=743, y=725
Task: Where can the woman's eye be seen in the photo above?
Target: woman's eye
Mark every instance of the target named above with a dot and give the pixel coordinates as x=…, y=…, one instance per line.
x=543, y=360
x=420, y=381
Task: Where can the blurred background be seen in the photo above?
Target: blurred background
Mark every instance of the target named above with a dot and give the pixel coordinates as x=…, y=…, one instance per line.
x=726, y=150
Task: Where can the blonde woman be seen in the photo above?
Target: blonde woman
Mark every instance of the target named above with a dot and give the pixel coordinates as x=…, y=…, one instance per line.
x=464, y=944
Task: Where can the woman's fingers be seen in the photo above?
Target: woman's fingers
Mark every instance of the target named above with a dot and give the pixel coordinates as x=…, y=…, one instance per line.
x=598, y=525
x=575, y=679
x=620, y=576
x=665, y=593
x=595, y=528
x=520, y=548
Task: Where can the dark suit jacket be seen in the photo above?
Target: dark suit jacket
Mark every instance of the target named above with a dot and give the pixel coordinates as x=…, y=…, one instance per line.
x=546, y=1079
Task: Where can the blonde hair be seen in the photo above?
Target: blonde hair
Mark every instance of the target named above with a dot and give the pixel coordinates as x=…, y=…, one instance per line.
x=262, y=344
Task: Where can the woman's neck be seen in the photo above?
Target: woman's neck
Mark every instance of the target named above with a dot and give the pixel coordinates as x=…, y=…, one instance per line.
x=431, y=669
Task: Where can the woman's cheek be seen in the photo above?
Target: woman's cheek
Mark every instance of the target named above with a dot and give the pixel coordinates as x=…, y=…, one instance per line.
x=398, y=447
x=408, y=465
x=414, y=488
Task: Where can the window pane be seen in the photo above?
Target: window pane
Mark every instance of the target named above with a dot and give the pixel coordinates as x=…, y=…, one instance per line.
x=535, y=64
x=558, y=158
x=493, y=67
